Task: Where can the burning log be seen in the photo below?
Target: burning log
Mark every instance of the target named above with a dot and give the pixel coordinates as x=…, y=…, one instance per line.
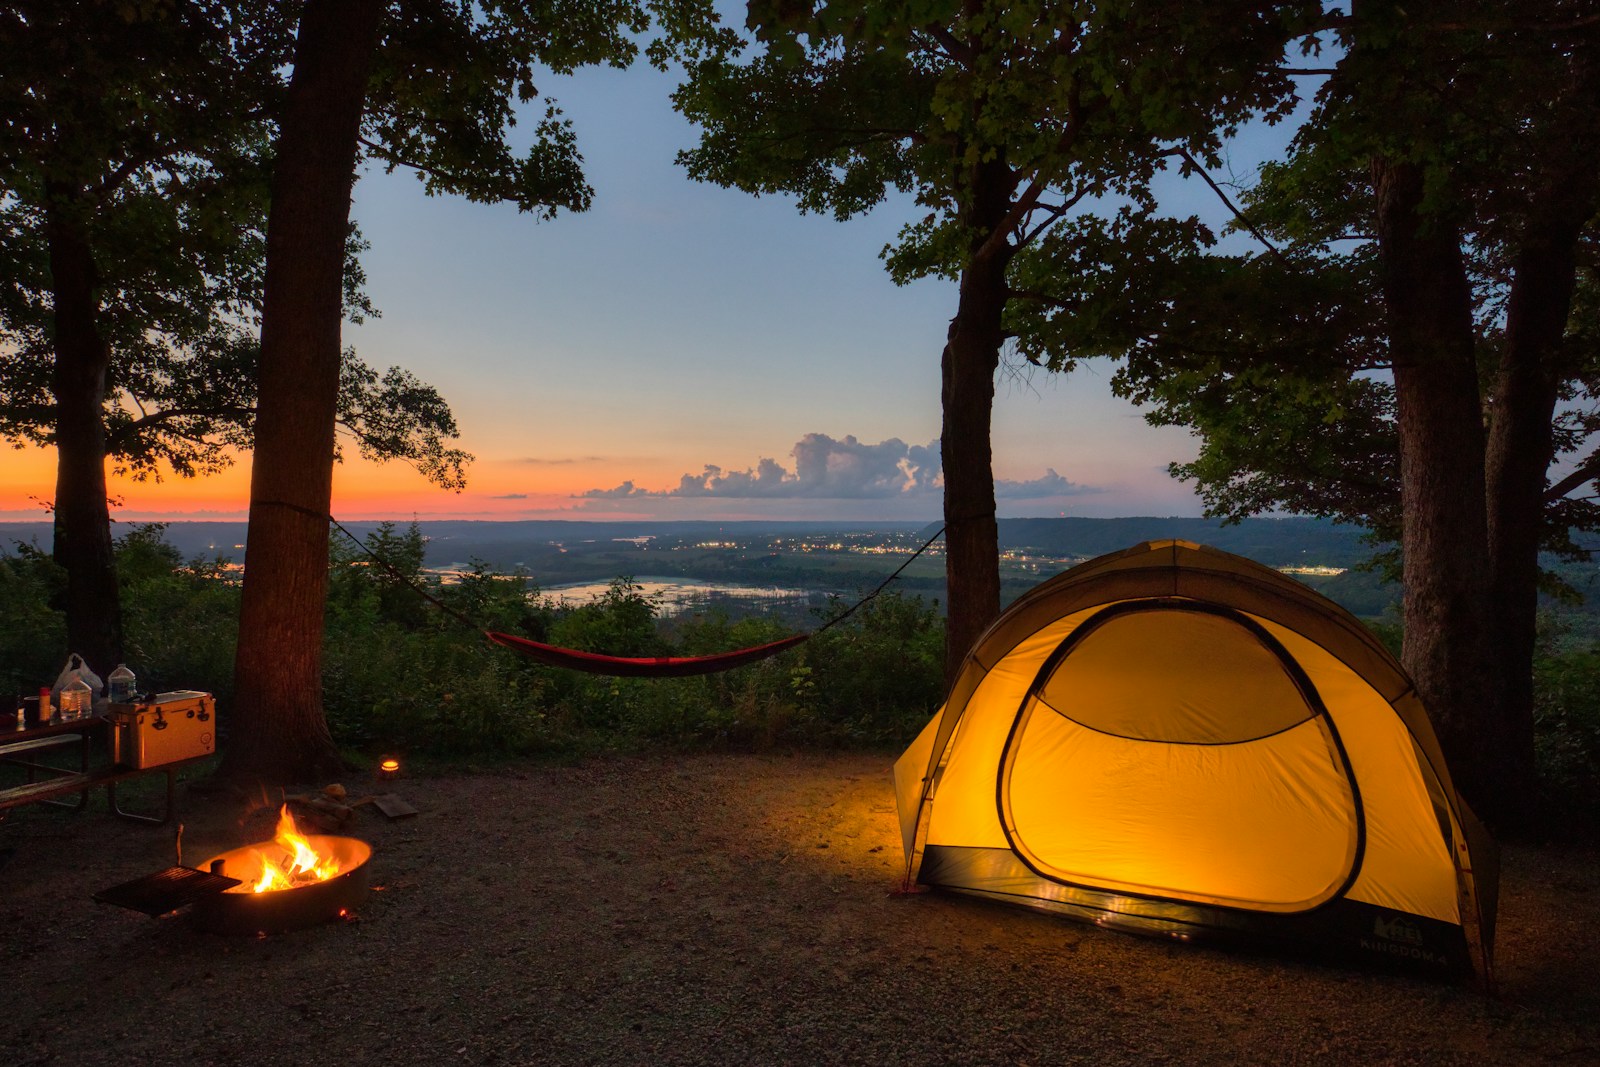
x=295, y=880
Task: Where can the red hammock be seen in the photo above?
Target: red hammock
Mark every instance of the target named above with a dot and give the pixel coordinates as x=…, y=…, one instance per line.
x=641, y=666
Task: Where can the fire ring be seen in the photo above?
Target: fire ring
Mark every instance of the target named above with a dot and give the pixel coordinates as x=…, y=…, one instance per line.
x=276, y=911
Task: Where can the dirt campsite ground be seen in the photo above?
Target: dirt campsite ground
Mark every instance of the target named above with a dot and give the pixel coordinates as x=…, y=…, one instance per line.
x=707, y=910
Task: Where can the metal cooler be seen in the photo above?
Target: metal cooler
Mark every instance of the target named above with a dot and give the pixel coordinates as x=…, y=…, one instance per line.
x=164, y=729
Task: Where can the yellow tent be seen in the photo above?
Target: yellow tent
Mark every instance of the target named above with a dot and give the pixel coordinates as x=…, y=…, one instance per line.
x=1180, y=741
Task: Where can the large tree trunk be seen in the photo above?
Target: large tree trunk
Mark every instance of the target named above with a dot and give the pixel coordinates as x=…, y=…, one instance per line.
x=971, y=357
x=277, y=730
x=1444, y=542
x=1527, y=386
x=82, y=515
x=1521, y=448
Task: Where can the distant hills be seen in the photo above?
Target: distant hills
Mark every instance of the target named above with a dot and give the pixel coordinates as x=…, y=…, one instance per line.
x=838, y=556
x=558, y=551
x=1275, y=542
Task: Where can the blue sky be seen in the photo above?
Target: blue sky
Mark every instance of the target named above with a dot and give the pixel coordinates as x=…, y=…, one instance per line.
x=678, y=326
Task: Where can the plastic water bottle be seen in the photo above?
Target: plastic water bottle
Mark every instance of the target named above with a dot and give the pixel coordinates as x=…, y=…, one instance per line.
x=121, y=685
x=76, y=698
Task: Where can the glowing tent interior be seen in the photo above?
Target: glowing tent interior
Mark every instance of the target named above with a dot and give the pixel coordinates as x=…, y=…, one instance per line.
x=1175, y=740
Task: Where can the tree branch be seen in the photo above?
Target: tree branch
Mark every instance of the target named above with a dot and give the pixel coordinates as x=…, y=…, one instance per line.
x=1054, y=213
x=395, y=160
x=132, y=429
x=1045, y=298
x=1183, y=153
x=1585, y=472
x=957, y=49
x=1021, y=207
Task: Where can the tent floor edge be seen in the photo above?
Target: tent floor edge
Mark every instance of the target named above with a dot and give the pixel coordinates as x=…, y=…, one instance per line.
x=1342, y=931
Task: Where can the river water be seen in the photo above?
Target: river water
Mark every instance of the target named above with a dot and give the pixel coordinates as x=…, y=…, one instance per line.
x=685, y=596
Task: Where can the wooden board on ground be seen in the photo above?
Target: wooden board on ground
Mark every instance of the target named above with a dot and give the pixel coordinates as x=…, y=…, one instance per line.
x=391, y=805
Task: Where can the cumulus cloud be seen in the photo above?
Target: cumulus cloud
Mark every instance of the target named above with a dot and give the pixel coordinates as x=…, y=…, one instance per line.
x=824, y=467
x=626, y=489
x=1050, y=484
x=836, y=469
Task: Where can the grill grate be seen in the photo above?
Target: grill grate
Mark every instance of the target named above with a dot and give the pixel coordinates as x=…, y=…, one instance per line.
x=164, y=891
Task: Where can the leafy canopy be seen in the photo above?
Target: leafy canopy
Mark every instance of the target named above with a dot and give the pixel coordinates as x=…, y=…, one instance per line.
x=1279, y=357
x=840, y=103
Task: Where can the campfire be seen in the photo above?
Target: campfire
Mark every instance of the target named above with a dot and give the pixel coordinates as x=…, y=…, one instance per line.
x=298, y=863
x=293, y=881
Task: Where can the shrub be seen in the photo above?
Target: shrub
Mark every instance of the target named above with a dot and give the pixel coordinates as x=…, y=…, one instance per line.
x=34, y=631
x=180, y=618
x=1567, y=733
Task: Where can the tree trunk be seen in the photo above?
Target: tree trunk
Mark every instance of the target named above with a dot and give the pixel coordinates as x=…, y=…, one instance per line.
x=278, y=731
x=1521, y=448
x=1533, y=365
x=1444, y=542
x=82, y=516
x=971, y=357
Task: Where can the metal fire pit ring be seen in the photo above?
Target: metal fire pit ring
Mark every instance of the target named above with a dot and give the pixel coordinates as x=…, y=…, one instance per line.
x=280, y=910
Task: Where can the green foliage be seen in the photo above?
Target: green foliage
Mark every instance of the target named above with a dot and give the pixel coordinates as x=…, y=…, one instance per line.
x=442, y=690
x=144, y=131
x=448, y=78
x=1567, y=734
x=401, y=675
x=876, y=678
x=33, y=631
x=360, y=587
x=141, y=131
x=435, y=690
x=180, y=617
x=840, y=103
x=1279, y=358
x=619, y=622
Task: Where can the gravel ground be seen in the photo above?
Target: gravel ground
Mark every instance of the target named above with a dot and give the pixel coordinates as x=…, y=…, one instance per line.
x=715, y=910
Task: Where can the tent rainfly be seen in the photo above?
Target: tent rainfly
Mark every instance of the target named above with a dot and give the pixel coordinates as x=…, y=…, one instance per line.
x=1175, y=740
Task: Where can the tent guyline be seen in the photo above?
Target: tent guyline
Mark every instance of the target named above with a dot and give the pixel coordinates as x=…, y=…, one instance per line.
x=596, y=663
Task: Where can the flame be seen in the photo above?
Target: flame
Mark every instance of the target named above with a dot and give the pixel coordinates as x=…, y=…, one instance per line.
x=301, y=864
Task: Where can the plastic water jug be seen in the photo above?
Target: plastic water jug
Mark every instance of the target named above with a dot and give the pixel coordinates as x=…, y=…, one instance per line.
x=76, y=699
x=121, y=685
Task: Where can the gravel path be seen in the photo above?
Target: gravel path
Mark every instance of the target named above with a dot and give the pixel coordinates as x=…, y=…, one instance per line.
x=708, y=910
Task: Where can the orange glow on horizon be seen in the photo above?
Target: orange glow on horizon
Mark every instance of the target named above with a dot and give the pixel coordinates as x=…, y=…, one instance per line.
x=362, y=490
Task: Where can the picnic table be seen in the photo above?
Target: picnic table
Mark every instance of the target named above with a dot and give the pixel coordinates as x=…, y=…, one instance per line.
x=22, y=745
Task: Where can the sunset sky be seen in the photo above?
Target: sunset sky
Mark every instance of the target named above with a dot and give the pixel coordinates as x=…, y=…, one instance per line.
x=685, y=351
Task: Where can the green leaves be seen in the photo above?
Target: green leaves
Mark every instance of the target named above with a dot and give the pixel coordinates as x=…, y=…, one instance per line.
x=448, y=80
x=399, y=416
x=841, y=103
x=837, y=132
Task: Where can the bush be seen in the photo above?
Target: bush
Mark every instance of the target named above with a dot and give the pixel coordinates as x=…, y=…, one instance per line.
x=880, y=675
x=438, y=691
x=1567, y=733
x=35, y=630
x=180, y=618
